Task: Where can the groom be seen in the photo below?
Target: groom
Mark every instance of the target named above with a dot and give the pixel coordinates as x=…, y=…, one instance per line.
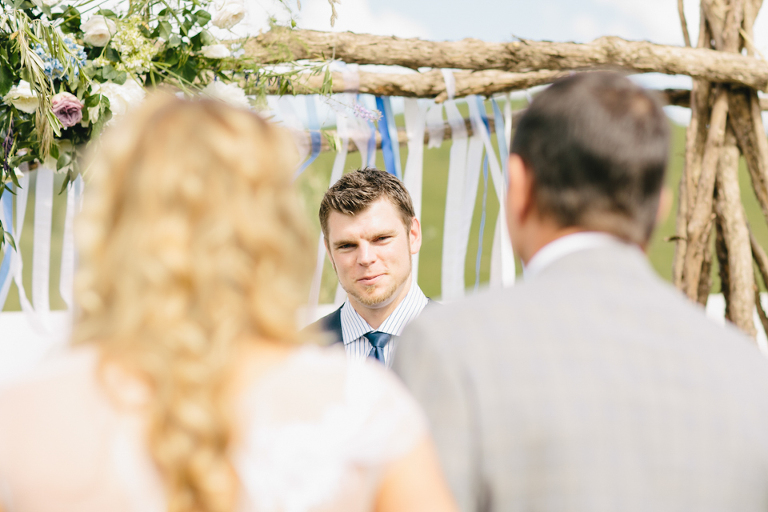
x=592, y=386
x=371, y=232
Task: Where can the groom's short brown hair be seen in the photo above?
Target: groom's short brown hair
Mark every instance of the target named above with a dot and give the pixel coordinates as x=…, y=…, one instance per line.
x=356, y=191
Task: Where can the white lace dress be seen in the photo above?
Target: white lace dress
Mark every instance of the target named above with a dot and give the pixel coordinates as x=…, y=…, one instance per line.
x=318, y=433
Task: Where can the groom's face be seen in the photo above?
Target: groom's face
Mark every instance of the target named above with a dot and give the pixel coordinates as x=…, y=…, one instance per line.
x=371, y=252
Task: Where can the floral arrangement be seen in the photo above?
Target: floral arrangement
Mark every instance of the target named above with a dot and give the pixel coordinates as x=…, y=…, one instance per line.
x=67, y=69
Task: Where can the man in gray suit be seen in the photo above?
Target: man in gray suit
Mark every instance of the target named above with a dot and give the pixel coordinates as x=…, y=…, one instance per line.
x=593, y=385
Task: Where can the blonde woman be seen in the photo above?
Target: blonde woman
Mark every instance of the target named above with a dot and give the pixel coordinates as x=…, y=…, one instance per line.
x=185, y=389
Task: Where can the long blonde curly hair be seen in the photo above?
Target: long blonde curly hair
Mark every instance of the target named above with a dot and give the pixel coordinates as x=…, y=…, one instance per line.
x=192, y=244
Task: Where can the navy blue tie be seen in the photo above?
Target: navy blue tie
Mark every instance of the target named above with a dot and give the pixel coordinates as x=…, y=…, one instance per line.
x=379, y=341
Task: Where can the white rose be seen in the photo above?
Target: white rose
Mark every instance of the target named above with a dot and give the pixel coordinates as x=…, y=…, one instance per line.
x=215, y=51
x=98, y=30
x=48, y=3
x=228, y=93
x=22, y=97
x=121, y=97
x=229, y=13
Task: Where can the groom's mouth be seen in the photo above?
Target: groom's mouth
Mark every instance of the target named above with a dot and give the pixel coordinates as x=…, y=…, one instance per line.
x=370, y=280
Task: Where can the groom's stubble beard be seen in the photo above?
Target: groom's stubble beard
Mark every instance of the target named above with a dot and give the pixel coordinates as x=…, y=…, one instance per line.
x=386, y=294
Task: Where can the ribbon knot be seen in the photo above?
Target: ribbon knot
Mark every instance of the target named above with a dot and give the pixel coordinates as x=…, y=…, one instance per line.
x=378, y=340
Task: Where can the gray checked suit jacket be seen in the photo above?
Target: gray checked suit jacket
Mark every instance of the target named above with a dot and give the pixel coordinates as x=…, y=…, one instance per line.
x=592, y=387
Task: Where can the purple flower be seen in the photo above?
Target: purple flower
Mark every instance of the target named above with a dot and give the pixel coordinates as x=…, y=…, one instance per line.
x=363, y=113
x=67, y=108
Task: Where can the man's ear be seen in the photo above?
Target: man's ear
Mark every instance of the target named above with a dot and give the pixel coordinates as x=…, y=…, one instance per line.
x=328, y=252
x=414, y=236
x=520, y=190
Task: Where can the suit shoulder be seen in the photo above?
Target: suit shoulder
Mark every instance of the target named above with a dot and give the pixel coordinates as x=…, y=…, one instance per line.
x=330, y=324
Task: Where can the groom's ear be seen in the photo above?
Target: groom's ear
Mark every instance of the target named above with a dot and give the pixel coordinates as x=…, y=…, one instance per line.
x=328, y=252
x=520, y=191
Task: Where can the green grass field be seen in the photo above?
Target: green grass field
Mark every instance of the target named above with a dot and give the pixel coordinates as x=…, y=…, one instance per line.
x=313, y=183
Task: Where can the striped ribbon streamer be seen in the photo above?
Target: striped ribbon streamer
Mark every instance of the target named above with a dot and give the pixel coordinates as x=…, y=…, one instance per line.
x=338, y=168
x=471, y=184
x=415, y=124
x=314, y=134
x=502, y=258
x=390, y=146
x=284, y=110
x=484, y=213
x=22, y=194
x=501, y=136
x=6, y=213
x=41, y=251
x=483, y=218
x=435, y=125
x=371, y=145
x=452, y=275
x=74, y=205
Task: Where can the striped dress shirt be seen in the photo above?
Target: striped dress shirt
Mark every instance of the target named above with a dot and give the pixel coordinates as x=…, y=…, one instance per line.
x=354, y=327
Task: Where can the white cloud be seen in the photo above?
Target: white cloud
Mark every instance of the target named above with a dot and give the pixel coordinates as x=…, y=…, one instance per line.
x=353, y=15
x=586, y=27
x=657, y=20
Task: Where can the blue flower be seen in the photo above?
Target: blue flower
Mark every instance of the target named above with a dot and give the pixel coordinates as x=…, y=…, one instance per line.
x=52, y=67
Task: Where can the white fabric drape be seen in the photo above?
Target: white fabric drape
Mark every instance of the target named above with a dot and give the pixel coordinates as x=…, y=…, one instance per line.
x=415, y=120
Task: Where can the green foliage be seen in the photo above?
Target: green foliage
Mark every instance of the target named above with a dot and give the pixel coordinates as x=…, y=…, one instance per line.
x=151, y=42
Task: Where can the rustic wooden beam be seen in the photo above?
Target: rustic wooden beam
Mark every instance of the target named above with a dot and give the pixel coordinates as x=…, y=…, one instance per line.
x=284, y=45
x=430, y=84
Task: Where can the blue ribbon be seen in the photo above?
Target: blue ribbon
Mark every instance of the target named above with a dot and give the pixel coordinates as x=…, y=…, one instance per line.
x=314, y=134
x=390, y=146
x=6, y=199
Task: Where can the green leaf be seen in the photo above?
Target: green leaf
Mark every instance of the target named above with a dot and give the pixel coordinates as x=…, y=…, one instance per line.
x=67, y=180
x=121, y=77
x=111, y=54
x=174, y=41
x=206, y=38
x=108, y=13
x=6, y=78
x=203, y=17
x=92, y=101
x=109, y=72
x=9, y=238
x=164, y=30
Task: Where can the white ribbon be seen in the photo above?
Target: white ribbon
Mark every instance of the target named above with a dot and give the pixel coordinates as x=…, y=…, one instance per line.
x=351, y=78
x=22, y=193
x=450, y=83
x=74, y=205
x=291, y=120
x=502, y=257
x=508, y=122
x=5, y=286
x=452, y=275
x=435, y=125
x=41, y=252
x=415, y=120
x=338, y=169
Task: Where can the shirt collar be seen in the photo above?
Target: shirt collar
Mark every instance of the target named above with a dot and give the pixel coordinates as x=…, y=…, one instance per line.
x=353, y=326
x=564, y=246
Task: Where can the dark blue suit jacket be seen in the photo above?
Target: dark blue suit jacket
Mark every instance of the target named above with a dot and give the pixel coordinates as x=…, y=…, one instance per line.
x=331, y=324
